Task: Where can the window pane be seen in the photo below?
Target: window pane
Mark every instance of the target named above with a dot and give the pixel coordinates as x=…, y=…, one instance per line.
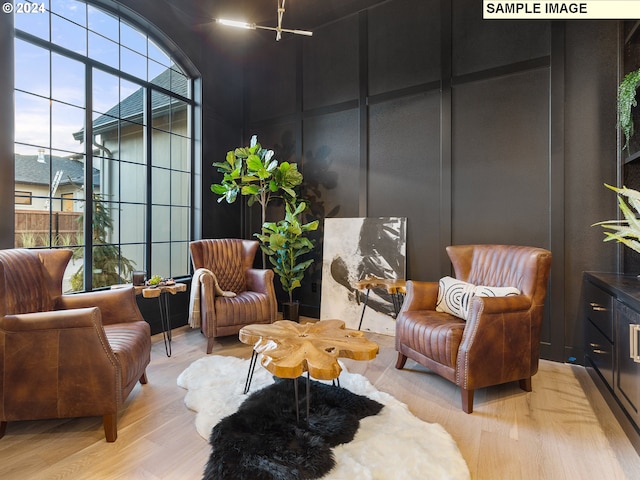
x=71, y=9
x=160, y=258
x=103, y=23
x=133, y=181
x=67, y=80
x=109, y=266
x=135, y=253
x=32, y=119
x=179, y=123
x=108, y=178
x=133, y=39
x=163, y=79
x=103, y=50
x=133, y=220
x=161, y=149
x=32, y=174
x=180, y=191
x=158, y=55
x=180, y=260
x=161, y=109
x=67, y=122
x=179, y=224
x=131, y=101
x=160, y=224
x=30, y=62
x=133, y=63
x=106, y=93
x=179, y=84
x=131, y=147
x=161, y=186
x=155, y=70
x=69, y=184
x=180, y=153
x=68, y=35
x=34, y=23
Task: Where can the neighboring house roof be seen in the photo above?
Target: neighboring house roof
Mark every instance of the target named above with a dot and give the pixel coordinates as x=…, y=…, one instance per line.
x=132, y=107
x=30, y=171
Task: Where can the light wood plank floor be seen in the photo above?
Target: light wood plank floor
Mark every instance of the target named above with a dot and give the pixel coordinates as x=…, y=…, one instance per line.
x=561, y=430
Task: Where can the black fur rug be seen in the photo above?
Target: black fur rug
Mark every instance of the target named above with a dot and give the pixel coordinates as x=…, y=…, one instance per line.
x=263, y=440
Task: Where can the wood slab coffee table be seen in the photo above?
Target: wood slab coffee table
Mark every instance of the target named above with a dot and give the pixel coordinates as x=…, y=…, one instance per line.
x=289, y=349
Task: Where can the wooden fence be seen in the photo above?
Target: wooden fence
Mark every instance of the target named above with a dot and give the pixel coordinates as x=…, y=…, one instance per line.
x=33, y=227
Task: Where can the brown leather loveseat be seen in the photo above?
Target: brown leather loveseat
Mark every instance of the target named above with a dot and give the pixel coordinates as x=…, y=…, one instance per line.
x=61, y=355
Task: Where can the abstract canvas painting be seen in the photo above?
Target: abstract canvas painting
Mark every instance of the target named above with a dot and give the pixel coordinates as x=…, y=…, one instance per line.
x=355, y=248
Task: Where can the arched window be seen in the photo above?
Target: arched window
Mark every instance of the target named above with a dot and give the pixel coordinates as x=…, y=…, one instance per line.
x=103, y=144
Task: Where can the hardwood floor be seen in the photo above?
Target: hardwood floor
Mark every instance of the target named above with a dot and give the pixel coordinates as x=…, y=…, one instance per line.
x=561, y=430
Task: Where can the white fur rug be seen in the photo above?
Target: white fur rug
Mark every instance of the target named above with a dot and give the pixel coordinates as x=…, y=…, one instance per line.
x=391, y=445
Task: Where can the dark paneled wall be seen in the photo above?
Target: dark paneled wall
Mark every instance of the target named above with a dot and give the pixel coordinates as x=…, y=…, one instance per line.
x=476, y=131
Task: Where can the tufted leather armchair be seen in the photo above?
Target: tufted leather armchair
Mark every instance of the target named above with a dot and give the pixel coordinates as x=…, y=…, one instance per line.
x=500, y=341
x=61, y=355
x=229, y=263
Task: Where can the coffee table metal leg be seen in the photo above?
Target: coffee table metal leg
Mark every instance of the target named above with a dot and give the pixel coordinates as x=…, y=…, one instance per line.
x=165, y=321
x=295, y=392
x=308, y=396
x=252, y=367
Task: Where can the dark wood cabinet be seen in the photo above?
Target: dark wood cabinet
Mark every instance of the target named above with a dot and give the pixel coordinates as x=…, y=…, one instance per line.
x=611, y=312
x=627, y=378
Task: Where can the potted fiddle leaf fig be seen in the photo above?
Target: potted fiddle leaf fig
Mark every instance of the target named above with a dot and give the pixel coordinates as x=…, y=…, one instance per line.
x=625, y=231
x=284, y=242
x=252, y=171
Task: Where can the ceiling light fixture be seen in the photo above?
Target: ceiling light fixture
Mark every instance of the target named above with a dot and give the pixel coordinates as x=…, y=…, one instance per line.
x=279, y=30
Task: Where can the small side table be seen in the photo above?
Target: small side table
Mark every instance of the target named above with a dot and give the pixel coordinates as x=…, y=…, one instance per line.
x=397, y=288
x=160, y=292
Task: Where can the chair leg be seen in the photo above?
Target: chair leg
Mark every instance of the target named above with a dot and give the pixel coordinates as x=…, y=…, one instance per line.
x=143, y=378
x=210, y=342
x=3, y=428
x=402, y=359
x=467, y=400
x=110, y=422
x=525, y=384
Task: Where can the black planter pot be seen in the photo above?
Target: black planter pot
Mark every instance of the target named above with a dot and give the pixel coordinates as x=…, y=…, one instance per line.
x=291, y=311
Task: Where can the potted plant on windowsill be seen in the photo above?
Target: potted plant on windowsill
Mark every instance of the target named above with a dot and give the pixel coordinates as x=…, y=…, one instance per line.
x=284, y=242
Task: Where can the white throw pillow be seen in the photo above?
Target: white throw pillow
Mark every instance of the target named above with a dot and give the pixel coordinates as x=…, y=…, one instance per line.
x=454, y=296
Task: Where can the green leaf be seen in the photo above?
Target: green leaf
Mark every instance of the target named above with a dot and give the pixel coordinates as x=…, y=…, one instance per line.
x=218, y=189
x=254, y=163
x=250, y=190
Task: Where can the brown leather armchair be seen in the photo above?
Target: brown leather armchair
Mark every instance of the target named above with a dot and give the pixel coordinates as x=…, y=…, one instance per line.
x=231, y=293
x=500, y=340
x=61, y=355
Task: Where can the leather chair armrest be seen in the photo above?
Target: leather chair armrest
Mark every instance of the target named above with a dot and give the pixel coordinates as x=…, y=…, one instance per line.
x=511, y=303
x=259, y=280
x=207, y=302
x=498, y=330
x=420, y=296
x=54, y=320
x=116, y=306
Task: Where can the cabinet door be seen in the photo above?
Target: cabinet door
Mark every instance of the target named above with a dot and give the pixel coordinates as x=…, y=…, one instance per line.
x=627, y=382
